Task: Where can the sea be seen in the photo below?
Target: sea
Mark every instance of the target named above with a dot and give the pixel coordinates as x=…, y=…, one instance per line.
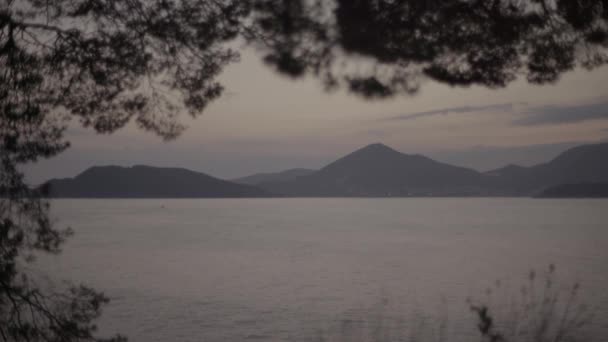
x=336, y=269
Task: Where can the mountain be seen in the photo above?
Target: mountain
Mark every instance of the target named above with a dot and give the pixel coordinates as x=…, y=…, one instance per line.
x=282, y=176
x=582, y=164
x=578, y=190
x=146, y=182
x=373, y=171
x=378, y=170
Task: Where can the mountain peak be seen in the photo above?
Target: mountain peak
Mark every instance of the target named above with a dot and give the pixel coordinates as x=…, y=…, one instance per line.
x=376, y=148
x=369, y=154
x=378, y=170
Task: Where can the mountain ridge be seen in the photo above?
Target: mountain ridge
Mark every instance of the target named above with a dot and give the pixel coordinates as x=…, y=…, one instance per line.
x=580, y=164
x=262, y=177
x=375, y=170
x=141, y=181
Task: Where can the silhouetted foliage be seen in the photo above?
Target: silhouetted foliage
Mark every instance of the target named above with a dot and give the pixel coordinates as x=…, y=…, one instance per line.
x=486, y=324
x=105, y=63
x=380, y=48
x=542, y=313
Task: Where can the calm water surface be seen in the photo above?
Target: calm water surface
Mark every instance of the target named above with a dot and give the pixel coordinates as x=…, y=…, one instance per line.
x=297, y=269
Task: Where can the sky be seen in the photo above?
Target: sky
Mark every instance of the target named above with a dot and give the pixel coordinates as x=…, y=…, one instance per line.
x=266, y=122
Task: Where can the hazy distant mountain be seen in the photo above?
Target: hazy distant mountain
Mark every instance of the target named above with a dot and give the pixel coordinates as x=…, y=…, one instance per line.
x=378, y=170
x=147, y=182
x=582, y=164
x=579, y=190
x=283, y=176
x=373, y=171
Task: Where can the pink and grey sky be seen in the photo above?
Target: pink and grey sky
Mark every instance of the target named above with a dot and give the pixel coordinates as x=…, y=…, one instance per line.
x=265, y=122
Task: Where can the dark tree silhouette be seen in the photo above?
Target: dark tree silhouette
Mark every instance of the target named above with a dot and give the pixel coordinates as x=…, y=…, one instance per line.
x=381, y=48
x=109, y=62
x=104, y=62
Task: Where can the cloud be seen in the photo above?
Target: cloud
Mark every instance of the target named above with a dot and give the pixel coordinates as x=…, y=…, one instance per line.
x=527, y=115
x=556, y=114
x=507, y=107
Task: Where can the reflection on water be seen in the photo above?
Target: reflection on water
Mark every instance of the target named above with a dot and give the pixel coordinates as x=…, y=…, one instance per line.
x=311, y=269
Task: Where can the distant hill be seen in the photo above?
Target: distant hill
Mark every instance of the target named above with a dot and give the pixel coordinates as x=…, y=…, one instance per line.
x=582, y=164
x=146, y=182
x=373, y=171
x=282, y=176
x=579, y=190
x=378, y=170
